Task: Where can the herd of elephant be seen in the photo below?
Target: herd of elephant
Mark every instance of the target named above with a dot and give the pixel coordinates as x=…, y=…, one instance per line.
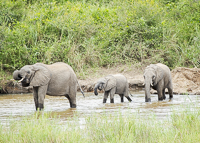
x=59, y=79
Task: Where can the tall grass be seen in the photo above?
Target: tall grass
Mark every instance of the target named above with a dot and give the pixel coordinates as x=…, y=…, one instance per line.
x=182, y=126
x=40, y=128
x=99, y=32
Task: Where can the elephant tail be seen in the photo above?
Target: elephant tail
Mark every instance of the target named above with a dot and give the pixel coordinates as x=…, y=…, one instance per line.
x=81, y=89
x=130, y=93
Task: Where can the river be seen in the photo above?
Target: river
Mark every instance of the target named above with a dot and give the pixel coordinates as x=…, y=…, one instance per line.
x=18, y=105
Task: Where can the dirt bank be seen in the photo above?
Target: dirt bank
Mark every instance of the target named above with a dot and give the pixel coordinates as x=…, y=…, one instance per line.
x=185, y=80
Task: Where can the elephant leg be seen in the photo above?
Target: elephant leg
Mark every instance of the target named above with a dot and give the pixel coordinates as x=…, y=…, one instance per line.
x=122, y=97
x=73, y=102
x=105, y=96
x=112, y=93
x=160, y=89
x=170, y=90
x=127, y=96
x=72, y=98
x=67, y=96
x=112, y=100
x=129, y=99
x=35, y=96
x=160, y=96
x=164, y=97
x=170, y=93
x=41, y=95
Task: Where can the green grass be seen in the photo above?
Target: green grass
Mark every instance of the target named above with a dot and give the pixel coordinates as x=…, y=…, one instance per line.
x=40, y=128
x=182, y=126
x=101, y=33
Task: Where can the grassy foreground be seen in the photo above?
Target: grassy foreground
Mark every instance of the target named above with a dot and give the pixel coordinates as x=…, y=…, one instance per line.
x=182, y=126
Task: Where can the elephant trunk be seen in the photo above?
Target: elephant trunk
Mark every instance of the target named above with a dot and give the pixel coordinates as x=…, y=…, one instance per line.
x=16, y=75
x=95, y=89
x=147, y=91
x=20, y=78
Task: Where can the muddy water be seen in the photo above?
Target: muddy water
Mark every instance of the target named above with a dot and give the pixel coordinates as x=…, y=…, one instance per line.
x=19, y=105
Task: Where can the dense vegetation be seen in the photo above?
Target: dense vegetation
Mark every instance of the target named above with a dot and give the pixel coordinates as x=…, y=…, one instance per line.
x=91, y=33
x=182, y=126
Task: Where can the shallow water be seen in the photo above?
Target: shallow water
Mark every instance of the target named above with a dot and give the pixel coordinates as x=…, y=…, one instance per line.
x=19, y=105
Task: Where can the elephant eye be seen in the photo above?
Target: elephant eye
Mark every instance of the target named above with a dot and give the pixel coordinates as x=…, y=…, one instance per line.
x=28, y=72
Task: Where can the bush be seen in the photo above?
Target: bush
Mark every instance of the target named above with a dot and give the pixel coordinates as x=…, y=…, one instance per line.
x=100, y=33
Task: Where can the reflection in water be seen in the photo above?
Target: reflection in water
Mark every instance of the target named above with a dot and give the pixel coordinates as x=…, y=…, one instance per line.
x=18, y=105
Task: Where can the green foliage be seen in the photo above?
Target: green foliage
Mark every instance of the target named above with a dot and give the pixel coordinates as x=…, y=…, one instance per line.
x=91, y=33
x=11, y=12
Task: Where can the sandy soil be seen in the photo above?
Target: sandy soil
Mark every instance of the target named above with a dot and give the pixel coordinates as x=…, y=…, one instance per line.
x=186, y=80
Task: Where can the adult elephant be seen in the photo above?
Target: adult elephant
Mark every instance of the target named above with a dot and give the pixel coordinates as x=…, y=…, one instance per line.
x=157, y=76
x=57, y=79
x=113, y=84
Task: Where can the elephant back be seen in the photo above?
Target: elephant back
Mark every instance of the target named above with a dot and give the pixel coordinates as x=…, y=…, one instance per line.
x=111, y=82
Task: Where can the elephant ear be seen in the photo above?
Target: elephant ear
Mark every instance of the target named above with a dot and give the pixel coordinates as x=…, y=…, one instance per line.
x=159, y=73
x=41, y=75
x=111, y=82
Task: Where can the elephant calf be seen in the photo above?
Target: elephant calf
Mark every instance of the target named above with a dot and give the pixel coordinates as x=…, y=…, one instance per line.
x=113, y=84
x=57, y=79
x=157, y=76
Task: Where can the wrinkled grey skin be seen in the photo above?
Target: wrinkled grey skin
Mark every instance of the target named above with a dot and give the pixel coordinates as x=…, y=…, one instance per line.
x=113, y=84
x=158, y=76
x=57, y=79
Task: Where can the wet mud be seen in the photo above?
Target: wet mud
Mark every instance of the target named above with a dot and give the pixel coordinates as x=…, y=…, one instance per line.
x=18, y=105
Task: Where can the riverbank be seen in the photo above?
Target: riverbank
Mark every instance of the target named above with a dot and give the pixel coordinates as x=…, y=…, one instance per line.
x=185, y=80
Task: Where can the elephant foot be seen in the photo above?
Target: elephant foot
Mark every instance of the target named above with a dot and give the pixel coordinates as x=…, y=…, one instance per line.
x=129, y=99
x=148, y=100
x=39, y=107
x=73, y=105
x=111, y=100
x=104, y=100
x=36, y=108
x=170, y=98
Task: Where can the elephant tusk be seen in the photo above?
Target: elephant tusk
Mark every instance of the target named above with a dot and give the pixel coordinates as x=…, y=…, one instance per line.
x=21, y=80
x=151, y=83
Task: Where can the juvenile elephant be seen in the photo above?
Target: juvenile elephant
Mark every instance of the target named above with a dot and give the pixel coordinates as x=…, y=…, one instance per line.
x=157, y=76
x=113, y=84
x=57, y=79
